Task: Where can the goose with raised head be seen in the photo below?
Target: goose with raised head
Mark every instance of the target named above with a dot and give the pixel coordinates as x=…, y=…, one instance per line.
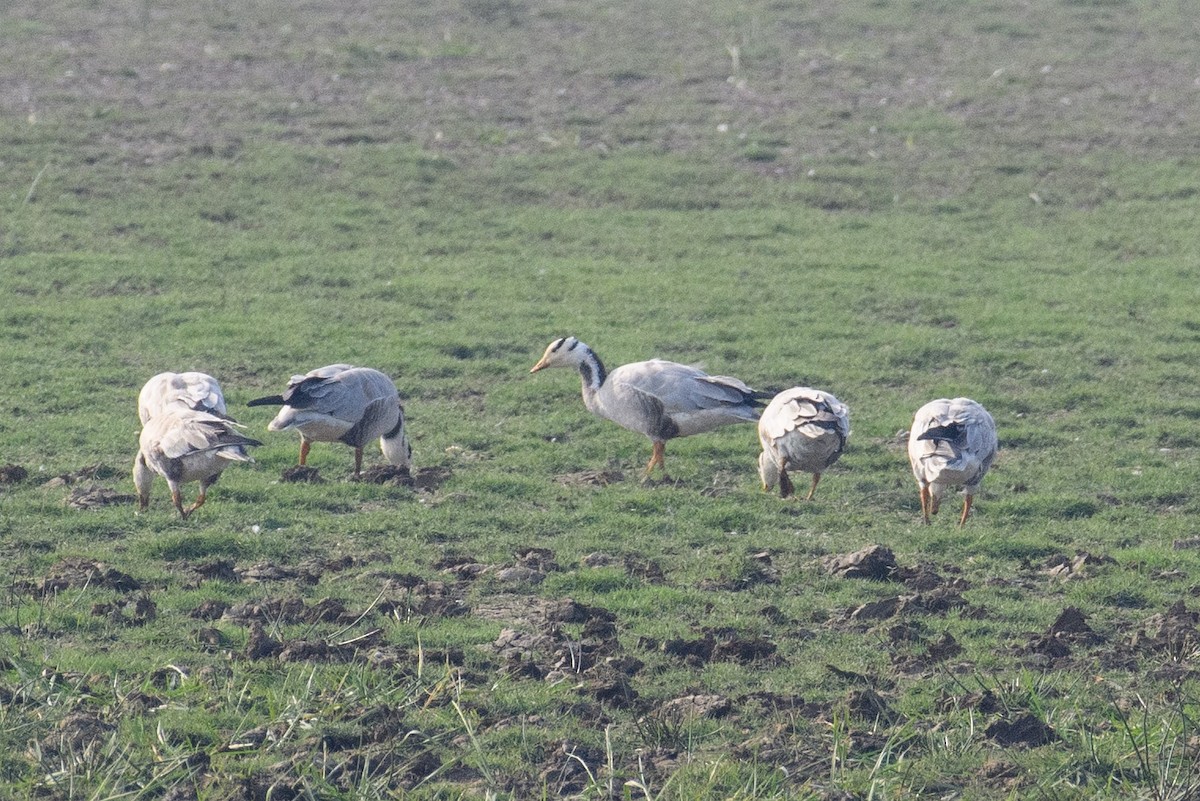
x=182, y=445
x=199, y=391
x=951, y=443
x=658, y=399
x=343, y=403
x=801, y=429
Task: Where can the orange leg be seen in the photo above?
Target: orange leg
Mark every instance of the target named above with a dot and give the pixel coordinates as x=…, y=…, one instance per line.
x=925, y=502
x=304, y=446
x=813, y=491
x=657, y=458
x=966, y=509
x=178, y=501
x=200, y=499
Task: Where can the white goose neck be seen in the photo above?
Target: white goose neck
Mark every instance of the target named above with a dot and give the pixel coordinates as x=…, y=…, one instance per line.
x=592, y=371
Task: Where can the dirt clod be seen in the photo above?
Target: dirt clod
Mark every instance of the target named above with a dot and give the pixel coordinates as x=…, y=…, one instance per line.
x=388, y=474
x=301, y=474
x=875, y=562
x=13, y=474
x=690, y=707
x=1026, y=730
x=79, y=572
x=96, y=496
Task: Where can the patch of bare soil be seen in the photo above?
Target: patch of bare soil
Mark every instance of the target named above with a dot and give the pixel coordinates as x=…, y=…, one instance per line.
x=12, y=474
x=875, y=562
x=301, y=474
x=1065, y=567
x=261, y=645
x=1069, y=629
x=431, y=479
x=1172, y=634
x=137, y=610
x=720, y=645
x=96, y=496
x=80, y=735
x=537, y=645
x=92, y=472
x=412, y=596
x=690, y=707
x=79, y=572
x=389, y=474
x=940, y=650
x=1024, y=730
x=216, y=570
x=289, y=611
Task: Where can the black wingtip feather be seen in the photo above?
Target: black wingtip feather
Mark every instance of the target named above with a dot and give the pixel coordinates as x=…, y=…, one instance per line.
x=270, y=400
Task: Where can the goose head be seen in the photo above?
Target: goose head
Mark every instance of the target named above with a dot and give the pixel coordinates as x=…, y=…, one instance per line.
x=768, y=471
x=563, y=352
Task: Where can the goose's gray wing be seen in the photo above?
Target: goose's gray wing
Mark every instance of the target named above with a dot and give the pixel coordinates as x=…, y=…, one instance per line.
x=805, y=410
x=380, y=416
x=682, y=388
x=632, y=407
x=175, y=435
x=981, y=442
x=334, y=396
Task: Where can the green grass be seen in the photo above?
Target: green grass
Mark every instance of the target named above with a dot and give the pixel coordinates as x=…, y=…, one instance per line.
x=891, y=202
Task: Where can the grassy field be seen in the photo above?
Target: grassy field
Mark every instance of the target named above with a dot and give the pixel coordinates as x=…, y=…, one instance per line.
x=893, y=201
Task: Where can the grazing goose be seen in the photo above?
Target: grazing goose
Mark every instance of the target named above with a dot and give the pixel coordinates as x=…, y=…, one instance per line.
x=342, y=403
x=801, y=429
x=951, y=443
x=199, y=391
x=182, y=444
x=659, y=399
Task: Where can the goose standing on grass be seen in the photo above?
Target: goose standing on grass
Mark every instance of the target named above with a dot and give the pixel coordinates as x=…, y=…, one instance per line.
x=199, y=391
x=182, y=445
x=657, y=398
x=343, y=403
x=951, y=443
x=801, y=429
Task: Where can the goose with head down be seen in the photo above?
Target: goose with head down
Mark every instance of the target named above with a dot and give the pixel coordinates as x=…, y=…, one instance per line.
x=182, y=445
x=659, y=399
x=951, y=443
x=801, y=429
x=343, y=403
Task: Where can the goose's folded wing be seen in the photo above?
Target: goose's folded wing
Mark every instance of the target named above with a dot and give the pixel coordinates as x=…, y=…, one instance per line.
x=981, y=438
x=686, y=389
x=378, y=417
x=632, y=407
x=182, y=437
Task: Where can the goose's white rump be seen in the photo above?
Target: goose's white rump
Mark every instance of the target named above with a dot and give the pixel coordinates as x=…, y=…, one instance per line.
x=951, y=443
x=801, y=429
x=658, y=399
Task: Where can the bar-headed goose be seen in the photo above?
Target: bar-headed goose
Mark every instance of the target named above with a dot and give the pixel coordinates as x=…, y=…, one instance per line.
x=342, y=403
x=657, y=398
x=801, y=429
x=199, y=391
x=951, y=443
x=182, y=445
